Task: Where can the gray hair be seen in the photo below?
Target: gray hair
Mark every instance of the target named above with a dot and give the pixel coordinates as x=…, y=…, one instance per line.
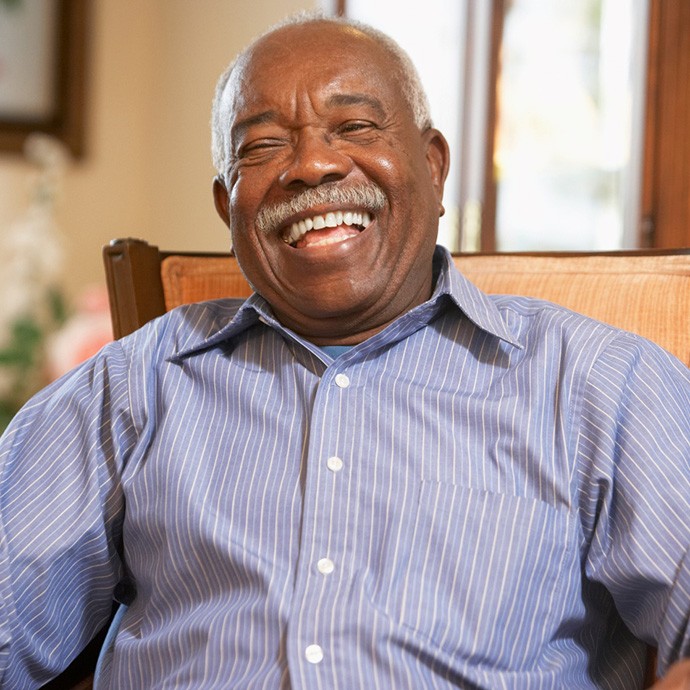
x=411, y=85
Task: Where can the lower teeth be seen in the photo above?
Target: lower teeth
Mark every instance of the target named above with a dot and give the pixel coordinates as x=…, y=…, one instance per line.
x=359, y=228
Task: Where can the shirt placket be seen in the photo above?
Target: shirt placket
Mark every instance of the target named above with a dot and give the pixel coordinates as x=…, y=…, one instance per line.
x=323, y=568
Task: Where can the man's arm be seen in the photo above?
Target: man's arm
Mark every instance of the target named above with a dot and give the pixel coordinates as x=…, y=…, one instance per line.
x=634, y=466
x=60, y=518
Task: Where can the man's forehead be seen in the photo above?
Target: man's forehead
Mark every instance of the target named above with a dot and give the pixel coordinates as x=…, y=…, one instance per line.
x=331, y=61
x=331, y=46
x=308, y=34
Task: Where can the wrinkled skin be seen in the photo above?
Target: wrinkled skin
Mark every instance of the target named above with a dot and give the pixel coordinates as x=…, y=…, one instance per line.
x=318, y=104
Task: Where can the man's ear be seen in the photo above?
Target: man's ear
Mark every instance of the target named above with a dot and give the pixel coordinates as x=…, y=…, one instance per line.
x=220, y=199
x=437, y=160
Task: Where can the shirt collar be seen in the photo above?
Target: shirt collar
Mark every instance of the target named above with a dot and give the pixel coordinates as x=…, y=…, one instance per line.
x=253, y=310
x=478, y=307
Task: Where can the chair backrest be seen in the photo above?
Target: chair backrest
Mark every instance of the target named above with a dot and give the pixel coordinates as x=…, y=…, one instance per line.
x=644, y=292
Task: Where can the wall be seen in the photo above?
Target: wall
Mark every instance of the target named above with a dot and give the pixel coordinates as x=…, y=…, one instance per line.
x=147, y=172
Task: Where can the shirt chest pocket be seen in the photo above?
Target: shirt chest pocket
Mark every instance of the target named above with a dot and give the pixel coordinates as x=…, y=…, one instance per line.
x=479, y=574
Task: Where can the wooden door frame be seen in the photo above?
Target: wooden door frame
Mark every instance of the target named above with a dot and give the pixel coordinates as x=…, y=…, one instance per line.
x=665, y=212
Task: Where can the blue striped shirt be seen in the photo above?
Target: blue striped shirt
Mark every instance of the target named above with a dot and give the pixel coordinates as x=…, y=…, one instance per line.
x=490, y=493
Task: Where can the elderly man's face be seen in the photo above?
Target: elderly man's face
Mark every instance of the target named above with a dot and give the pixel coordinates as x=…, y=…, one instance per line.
x=318, y=121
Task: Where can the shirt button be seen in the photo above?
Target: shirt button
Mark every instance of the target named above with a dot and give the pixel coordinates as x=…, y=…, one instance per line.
x=314, y=654
x=334, y=464
x=325, y=566
x=342, y=381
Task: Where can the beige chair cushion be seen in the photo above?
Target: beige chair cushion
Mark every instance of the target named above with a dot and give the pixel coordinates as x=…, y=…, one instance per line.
x=645, y=294
x=196, y=278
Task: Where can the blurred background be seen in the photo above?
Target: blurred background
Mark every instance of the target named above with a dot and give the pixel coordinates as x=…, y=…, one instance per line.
x=567, y=121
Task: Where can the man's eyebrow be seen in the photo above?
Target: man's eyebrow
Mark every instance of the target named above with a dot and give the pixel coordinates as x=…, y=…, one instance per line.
x=239, y=128
x=340, y=99
x=337, y=99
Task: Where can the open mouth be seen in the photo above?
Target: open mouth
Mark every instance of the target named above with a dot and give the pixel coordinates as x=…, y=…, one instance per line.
x=332, y=227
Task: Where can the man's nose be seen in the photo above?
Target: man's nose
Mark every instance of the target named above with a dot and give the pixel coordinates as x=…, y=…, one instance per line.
x=314, y=161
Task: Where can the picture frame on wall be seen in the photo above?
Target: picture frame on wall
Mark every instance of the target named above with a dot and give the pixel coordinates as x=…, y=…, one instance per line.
x=43, y=72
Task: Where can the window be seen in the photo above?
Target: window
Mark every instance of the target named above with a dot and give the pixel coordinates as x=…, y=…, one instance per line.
x=568, y=135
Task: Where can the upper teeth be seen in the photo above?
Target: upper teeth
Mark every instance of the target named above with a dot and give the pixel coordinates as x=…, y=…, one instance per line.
x=330, y=220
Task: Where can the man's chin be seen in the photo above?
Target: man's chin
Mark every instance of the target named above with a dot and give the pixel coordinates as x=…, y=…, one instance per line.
x=326, y=318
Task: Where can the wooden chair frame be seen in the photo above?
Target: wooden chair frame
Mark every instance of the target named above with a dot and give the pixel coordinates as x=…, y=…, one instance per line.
x=135, y=290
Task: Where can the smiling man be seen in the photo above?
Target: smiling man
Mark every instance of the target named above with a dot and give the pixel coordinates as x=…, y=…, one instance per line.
x=319, y=158
x=368, y=474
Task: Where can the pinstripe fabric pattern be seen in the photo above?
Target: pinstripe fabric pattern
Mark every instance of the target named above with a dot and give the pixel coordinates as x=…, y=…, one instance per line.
x=491, y=493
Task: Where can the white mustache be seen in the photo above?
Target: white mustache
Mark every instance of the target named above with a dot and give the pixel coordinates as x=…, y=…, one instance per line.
x=368, y=197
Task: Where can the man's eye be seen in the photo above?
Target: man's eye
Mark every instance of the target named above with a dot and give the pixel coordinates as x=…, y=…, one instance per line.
x=256, y=148
x=356, y=126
